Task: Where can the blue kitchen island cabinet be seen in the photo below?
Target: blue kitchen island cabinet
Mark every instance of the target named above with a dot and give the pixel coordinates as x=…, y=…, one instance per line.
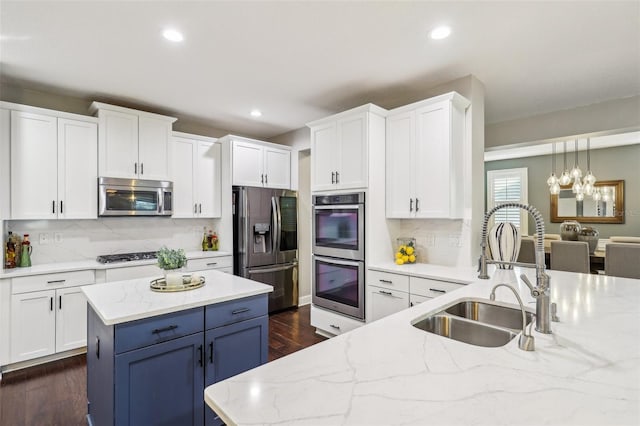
x=153, y=371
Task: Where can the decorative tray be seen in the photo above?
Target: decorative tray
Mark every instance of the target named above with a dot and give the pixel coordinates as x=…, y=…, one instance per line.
x=188, y=283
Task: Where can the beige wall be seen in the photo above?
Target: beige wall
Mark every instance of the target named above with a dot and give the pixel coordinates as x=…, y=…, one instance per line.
x=604, y=117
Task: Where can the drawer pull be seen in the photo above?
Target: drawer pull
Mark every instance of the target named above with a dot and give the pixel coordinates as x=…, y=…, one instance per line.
x=337, y=327
x=386, y=281
x=388, y=293
x=240, y=311
x=437, y=290
x=55, y=281
x=212, y=264
x=162, y=330
x=51, y=303
x=60, y=302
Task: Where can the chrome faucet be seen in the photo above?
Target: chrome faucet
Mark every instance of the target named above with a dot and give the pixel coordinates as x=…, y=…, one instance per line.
x=542, y=290
x=526, y=341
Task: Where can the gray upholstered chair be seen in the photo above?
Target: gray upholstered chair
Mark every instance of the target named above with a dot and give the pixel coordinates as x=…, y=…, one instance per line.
x=570, y=256
x=622, y=260
x=527, y=251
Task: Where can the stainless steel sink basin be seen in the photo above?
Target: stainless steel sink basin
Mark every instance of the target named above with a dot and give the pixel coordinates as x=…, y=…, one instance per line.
x=466, y=331
x=489, y=313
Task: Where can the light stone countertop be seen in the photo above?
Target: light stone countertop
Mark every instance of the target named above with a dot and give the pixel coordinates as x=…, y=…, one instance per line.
x=116, y=302
x=456, y=274
x=51, y=268
x=389, y=372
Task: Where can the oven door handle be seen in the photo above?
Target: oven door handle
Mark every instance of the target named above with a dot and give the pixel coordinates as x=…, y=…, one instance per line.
x=338, y=206
x=339, y=261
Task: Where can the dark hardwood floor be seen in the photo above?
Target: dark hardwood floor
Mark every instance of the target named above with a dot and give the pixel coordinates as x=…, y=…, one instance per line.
x=56, y=393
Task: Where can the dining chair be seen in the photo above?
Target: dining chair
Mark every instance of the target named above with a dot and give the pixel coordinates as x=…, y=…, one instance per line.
x=527, y=251
x=622, y=260
x=570, y=256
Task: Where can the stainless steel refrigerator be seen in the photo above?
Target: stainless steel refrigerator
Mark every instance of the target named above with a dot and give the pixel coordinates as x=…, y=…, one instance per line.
x=265, y=241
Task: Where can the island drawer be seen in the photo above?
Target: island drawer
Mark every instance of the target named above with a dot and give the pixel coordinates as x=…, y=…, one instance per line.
x=52, y=281
x=432, y=288
x=149, y=331
x=235, y=310
x=388, y=280
x=209, y=263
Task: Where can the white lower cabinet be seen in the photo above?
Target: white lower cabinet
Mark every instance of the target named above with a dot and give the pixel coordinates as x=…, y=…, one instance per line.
x=388, y=293
x=48, y=314
x=329, y=323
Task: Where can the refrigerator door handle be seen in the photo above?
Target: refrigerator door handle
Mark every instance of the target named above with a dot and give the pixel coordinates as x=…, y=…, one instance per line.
x=275, y=234
x=274, y=269
x=279, y=222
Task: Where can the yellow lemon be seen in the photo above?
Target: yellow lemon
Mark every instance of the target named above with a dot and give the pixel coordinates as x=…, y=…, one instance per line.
x=409, y=251
x=405, y=258
x=398, y=255
x=399, y=261
x=412, y=259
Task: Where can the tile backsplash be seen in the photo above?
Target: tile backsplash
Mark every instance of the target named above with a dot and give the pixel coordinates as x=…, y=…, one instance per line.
x=86, y=239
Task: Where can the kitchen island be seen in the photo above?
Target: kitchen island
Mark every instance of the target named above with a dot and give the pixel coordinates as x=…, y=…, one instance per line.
x=150, y=354
x=389, y=372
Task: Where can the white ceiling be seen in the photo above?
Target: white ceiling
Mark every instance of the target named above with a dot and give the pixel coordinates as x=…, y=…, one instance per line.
x=300, y=61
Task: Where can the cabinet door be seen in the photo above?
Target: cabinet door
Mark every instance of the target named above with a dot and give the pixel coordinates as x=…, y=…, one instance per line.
x=353, y=144
x=77, y=169
x=400, y=165
x=432, y=179
x=153, y=146
x=183, y=154
x=33, y=325
x=34, y=150
x=415, y=299
x=324, y=152
x=118, y=144
x=382, y=302
x=161, y=384
x=207, y=179
x=71, y=319
x=247, y=164
x=235, y=348
x=277, y=168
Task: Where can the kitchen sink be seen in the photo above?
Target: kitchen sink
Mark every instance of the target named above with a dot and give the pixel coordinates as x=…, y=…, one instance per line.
x=465, y=331
x=489, y=313
x=477, y=322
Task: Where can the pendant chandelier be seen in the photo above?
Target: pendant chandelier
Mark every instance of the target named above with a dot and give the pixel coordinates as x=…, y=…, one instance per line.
x=581, y=186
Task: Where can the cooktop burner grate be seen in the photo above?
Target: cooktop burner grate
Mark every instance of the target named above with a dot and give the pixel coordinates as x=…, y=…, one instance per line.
x=126, y=257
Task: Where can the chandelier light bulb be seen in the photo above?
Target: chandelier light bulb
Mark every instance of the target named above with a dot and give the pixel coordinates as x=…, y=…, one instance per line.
x=555, y=189
x=565, y=179
x=587, y=188
x=552, y=179
x=597, y=196
x=576, y=173
x=579, y=196
x=577, y=188
x=589, y=178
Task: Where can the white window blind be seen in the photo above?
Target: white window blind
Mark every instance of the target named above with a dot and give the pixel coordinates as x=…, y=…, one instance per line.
x=508, y=186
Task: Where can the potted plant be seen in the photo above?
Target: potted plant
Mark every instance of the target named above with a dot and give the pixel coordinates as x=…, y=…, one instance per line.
x=171, y=261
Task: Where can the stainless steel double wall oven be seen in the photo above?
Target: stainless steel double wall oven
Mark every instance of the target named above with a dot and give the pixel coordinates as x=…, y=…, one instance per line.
x=339, y=253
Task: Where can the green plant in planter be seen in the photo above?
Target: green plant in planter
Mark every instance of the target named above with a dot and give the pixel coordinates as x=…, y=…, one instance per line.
x=171, y=259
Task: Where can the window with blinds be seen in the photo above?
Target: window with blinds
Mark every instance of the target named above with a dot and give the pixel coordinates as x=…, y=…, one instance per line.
x=508, y=186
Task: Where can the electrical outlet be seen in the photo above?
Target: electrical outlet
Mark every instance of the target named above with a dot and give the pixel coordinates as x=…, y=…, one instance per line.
x=44, y=239
x=57, y=237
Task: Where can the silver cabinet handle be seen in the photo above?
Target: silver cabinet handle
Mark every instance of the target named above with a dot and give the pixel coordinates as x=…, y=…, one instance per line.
x=55, y=281
x=437, y=290
x=337, y=327
x=387, y=293
x=386, y=281
x=212, y=264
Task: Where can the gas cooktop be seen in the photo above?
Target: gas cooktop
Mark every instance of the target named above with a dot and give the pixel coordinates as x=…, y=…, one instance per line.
x=126, y=257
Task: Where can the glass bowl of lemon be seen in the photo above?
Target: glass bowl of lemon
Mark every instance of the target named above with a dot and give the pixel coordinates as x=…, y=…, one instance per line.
x=405, y=251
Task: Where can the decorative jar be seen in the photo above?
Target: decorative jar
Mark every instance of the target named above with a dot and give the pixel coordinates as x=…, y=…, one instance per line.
x=569, y=230
x=405, y=251
x=173, y=277
x=589, y=235
x=504, y=243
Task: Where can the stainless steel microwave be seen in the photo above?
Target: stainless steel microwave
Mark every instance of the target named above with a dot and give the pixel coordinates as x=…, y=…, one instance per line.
x=134, y=197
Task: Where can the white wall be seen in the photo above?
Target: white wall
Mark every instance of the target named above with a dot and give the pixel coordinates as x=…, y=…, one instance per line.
x=304, y=227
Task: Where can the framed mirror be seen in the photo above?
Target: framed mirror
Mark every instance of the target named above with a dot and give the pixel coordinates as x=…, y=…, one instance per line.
x=609, y=209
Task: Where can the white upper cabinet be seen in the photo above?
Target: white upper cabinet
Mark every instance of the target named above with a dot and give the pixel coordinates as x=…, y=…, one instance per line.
x=53, y=166
x=340, y=149
x=257, y=163
x=195, y=171
x=425, y=158
x=132, y=144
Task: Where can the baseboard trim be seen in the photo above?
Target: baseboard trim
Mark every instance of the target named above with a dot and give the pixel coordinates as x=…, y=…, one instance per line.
x=304, y=300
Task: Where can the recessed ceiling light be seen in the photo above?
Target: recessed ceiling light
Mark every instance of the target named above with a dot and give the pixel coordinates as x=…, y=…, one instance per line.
x=256, y=113
x=173, y=35
x=441, y=32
